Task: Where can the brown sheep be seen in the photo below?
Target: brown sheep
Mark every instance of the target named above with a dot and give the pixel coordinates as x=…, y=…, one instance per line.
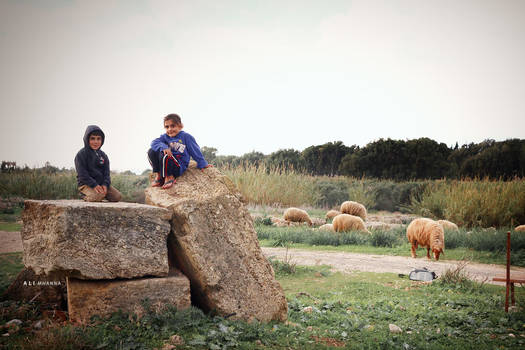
x=297, y=215
x=426, y=233
x=332, y=214
x=448, y=225
x=327, y=227
x=354, y=208
x=347, y=222
x=520, y=228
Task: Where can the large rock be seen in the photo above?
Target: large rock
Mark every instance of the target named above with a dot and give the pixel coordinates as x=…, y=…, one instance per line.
x=214, y=243
x=95, y=240
x=29, y=287
x=103, y=297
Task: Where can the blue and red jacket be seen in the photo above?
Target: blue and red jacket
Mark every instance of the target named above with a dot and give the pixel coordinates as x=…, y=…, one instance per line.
x=183, y=146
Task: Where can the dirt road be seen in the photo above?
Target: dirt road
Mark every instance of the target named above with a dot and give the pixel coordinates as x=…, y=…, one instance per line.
x=10, y=242
x=348, y=262
x=345, y=262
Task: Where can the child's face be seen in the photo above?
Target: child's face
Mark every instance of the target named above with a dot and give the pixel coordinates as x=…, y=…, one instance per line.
x=172, y=129
x=95, y=141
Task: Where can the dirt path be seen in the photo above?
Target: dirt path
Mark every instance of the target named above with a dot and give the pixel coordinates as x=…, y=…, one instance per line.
x=348, y=262
x=344, y=262
x=10, y=242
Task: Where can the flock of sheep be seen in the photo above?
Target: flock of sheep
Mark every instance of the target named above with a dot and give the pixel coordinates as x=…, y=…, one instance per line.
x=422, y=232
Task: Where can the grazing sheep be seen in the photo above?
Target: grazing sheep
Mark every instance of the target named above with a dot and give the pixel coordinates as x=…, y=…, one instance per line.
x=347, y=222
x=448, y=225
x=426, y=233
x=520, y=228
x=354, y=208
x=318, y=221
x=327, y=227
x=297, y=215
x=332, y=214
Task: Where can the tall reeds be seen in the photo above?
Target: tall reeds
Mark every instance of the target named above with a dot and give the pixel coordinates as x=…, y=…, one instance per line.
x=474, y=202
x=272, y=185
x=470, y=203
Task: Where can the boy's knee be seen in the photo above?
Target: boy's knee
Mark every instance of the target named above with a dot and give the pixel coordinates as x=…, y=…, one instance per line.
x=94, y=197
x=113, y=195
x=90, y=195
x=152, y=154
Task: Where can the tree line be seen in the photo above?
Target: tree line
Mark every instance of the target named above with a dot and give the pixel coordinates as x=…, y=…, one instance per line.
x=421, y=158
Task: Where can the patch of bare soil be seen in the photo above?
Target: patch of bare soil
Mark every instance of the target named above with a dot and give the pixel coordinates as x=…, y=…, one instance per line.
x=350, y=262
x=10, y=242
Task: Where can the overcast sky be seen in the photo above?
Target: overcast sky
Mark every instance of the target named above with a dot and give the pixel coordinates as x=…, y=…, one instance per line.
x=256, y=75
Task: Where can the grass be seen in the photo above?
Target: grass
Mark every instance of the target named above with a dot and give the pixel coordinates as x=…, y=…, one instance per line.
x=63, y=185
x=10, y=226
x=326, y=310
x=10, y=221
x=10, y=265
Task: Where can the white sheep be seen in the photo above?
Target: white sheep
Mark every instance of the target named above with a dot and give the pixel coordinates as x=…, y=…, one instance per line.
x=327, y=227
x=448, y=225
x=354, y=208
x=347, y=222
x=297, y=215
x=426, y=233
x=332, y=214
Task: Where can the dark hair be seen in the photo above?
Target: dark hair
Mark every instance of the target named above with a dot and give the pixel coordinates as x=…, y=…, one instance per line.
x=96, y=133
x=174, y=118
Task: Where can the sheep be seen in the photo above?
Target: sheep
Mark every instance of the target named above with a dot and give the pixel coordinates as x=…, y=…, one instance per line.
x=448, y=225
x=520, y=228
x=332, y=214
x=354, y=208
x=347, y=222
x=426, y=233
x=318, y=221
x=297, y=215
x=327, y=227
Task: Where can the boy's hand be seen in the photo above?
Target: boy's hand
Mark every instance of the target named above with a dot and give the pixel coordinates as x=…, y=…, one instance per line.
x=100, y=189
x=105, y=188
x=207, y=166
x=168, y=152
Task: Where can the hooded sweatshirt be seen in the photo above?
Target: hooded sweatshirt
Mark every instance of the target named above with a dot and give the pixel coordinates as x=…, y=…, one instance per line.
x=183, y=145
x=92, y=165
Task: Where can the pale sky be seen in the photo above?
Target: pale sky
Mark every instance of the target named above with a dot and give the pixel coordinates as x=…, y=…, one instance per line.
x=256, y=75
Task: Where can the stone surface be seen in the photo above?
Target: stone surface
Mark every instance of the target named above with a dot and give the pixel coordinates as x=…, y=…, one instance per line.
x=28, y=286
x=103, y=297
x=101, y=240
x=214, y=243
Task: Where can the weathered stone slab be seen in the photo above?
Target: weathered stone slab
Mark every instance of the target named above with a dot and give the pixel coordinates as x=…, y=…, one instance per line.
x=214, y=243
x=103, y=297
x=28, y=287
x=90, y=240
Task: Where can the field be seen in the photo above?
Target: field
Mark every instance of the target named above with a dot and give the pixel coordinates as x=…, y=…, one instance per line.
x=326, y=309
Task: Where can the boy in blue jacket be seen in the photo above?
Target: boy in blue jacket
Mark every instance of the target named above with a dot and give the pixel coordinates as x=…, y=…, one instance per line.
x=170, y=154
x=92, y=165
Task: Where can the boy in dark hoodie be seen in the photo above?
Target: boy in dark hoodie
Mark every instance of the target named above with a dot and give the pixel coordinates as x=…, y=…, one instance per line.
x=94, y=182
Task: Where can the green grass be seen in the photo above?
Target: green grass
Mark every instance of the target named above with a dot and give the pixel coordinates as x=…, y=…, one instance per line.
x=10, y=226
x=325, y=309
x=10, y=266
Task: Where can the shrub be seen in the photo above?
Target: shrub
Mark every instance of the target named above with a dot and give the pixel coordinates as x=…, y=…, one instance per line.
x=330, y=193
x=382, y=238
